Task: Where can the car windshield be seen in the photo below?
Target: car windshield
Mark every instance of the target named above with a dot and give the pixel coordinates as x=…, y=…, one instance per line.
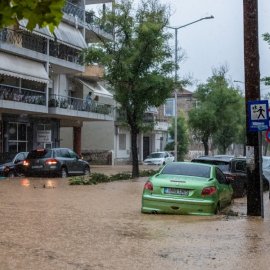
x=40, y=153
x=6, y=157
x=187, y=169
x=156, y=155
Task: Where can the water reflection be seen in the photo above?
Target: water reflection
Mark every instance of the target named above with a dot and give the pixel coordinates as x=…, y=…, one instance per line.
x=38, y=183
x=25, y=182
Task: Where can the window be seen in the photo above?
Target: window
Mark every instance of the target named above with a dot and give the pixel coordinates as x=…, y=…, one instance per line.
x=220, y=176
x=17, y=137
x=122, y=142
x=169, y=107
x=240, y=166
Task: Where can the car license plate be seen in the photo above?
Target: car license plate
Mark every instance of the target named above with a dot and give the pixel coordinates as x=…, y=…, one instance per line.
x=37, y=167
x=177, y=191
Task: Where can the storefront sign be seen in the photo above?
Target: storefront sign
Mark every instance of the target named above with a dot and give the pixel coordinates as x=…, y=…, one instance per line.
x=44, y=136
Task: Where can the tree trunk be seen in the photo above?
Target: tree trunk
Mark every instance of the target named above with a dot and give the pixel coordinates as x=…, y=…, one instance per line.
x=134, y=152
x=206, y=147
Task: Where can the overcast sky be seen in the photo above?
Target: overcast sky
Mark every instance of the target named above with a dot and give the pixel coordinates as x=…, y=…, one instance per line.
x=219, y=41
x=211, y=43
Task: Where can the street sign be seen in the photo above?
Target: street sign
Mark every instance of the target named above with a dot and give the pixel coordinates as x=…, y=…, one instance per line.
x=258, y=119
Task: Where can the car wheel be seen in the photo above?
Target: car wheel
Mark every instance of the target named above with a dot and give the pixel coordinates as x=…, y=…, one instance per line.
x=163, y=163
x=11, y=174
x=86, y=171
x=64, y=173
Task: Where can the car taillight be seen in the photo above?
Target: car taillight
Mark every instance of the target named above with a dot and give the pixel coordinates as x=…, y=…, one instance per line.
x=51, y=162
x=148, y=185
x=26, y=163
x=207, y=191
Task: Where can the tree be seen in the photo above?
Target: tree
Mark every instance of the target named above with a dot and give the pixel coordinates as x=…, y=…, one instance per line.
x=202, y=123
x=266, y=37
x=41, y=13
x=220, y=113
x=182, y=137
x=138, y=65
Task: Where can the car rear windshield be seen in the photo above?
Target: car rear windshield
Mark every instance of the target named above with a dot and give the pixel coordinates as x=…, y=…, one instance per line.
x=187, y=169
x=223, y=165
x=44, y=153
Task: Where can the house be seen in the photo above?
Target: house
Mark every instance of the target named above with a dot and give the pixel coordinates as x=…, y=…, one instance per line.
x=40, y=90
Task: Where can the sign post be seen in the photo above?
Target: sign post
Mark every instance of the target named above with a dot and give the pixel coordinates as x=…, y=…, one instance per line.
x=258, y=121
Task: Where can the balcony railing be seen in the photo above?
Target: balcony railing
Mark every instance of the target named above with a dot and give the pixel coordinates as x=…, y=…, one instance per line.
x=79, y=104
x=36, y=43
x=90, y=17
x=24, y=95
x=23, y=40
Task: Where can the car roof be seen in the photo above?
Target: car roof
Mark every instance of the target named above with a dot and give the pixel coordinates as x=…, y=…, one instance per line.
x=226, y=158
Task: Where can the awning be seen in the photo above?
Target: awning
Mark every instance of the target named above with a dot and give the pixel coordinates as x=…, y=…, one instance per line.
x=18, y=67
x=64, y=33
x=70, y=36
x=44, y=32
x=97, y=89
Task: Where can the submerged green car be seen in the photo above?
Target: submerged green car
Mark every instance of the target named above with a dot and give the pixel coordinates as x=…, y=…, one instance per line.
x=187, y=188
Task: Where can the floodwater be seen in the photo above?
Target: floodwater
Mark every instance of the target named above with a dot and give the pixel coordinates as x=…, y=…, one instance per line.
x=47, y=224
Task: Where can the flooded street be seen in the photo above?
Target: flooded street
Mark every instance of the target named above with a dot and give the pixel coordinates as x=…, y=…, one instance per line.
x=48, y=224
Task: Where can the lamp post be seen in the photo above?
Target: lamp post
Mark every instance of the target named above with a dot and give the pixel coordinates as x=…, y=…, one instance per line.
x=175, y=75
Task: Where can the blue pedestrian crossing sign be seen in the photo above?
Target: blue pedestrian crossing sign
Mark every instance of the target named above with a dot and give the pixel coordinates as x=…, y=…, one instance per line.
x=258, y=119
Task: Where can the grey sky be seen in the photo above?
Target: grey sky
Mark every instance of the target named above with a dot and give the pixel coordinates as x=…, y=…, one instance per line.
x=219, y=41
x=211, y=43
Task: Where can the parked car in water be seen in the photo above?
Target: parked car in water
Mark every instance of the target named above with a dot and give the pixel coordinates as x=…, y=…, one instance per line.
x=235, y=170
x=159, y=158
x=11, y=164
x=187, y=188
x=56, y=161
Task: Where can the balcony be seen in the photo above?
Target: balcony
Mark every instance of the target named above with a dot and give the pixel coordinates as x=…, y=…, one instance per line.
x=66, y=106
x=154, y=118
x=89, y=19
x=30, y=100
x=22, y=39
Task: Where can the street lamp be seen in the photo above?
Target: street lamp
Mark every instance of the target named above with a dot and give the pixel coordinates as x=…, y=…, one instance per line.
x=175, y=75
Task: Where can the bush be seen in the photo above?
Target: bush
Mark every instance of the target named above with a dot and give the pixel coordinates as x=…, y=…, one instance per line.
x=148, y=173
x=96, y=178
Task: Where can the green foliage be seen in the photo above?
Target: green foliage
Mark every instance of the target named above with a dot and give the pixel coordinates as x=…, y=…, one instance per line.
x=96, y=178
x=266, y=37
x=147, y=173
x=42, y=13
x=139, y=64
x=182, y=137
x=220, y=114
x=120, y=176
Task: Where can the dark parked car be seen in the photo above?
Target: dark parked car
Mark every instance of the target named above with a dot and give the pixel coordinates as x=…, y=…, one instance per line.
x=55, y=162
x=235, y=170
x=11, y=164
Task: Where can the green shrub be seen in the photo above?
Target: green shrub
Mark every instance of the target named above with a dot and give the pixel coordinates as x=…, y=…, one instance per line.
x=120, y=176
x=96, y=178
x=148, y=173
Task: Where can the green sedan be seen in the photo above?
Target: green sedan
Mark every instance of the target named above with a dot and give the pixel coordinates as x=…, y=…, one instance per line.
x=187, y=188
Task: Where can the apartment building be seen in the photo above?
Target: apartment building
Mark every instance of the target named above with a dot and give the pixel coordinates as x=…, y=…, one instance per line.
x=43, y=84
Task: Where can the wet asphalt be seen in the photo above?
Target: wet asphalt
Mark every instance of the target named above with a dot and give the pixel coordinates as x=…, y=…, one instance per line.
x=47, y=224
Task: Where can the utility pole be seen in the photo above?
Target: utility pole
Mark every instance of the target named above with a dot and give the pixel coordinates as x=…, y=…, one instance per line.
x=252, y=93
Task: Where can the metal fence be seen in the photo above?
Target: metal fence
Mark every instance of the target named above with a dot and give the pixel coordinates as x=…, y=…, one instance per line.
x=24, y=95
x=78, y=104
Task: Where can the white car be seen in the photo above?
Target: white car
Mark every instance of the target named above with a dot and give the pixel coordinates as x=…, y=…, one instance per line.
x=159, y=158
